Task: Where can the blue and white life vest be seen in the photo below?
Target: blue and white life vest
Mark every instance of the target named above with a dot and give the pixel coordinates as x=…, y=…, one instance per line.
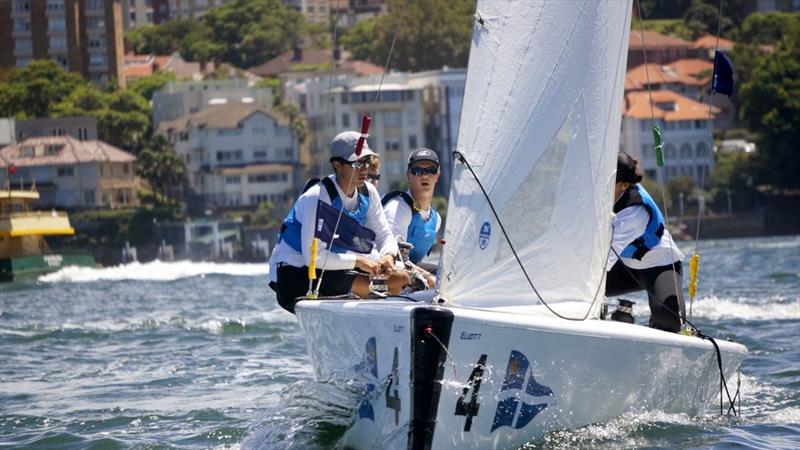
x=352, y=233
x=421, y=233
x=638, y=196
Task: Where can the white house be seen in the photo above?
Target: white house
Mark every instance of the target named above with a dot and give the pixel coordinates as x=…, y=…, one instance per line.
x=686, y=135
x=70, y=173
x=237, y=154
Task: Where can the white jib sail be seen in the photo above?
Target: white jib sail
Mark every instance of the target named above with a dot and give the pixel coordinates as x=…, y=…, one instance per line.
x=540, y=127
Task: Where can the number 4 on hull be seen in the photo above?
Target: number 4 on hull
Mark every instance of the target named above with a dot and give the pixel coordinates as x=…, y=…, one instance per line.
x=470, y=409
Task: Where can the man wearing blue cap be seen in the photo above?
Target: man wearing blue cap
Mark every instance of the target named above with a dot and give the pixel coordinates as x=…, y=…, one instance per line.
x=353, y=233
x=410, y=213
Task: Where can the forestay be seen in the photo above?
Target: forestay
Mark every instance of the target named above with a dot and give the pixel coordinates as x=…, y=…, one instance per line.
x=540, y=127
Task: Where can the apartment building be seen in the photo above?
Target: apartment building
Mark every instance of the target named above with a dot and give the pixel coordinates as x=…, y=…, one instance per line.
x=686, y=130
x=69, y=173
x=83, y=36
x=237, y=154
x=180, y=98
x=164, y=10
x=136, y=13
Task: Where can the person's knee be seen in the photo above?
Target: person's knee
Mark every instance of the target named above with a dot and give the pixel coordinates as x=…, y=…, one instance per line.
x=667, y=315
x=397, y=281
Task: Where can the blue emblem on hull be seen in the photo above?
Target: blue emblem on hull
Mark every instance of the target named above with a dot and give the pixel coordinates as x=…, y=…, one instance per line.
x=525, y=399
x=368, y=366
x=485, y=234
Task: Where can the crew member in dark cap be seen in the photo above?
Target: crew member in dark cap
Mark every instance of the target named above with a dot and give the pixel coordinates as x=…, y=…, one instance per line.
x=360, y=237
x=410, y=213
x=644, y=255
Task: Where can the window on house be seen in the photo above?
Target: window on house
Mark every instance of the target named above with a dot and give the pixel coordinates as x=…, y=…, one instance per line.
x=234, y=179
x=88, y=196
x=392, y=144
x=391, y=118
x=646, y=151
x=702, y=150
x=345, y=120
x=56, y=24
x=412, y=142
x=66, y=171
x=669, y=151
x=23, y=46
x=126, y=168
x=686, y=150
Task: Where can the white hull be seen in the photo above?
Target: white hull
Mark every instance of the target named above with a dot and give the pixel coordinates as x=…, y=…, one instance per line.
x=541, y=374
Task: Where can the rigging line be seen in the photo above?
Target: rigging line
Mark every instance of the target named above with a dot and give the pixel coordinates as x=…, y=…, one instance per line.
x=352, y=175
x=703, y=170
x=701, y=335
x=461, y=158
x=653, y=122
x=333, y=59
x=388, y=59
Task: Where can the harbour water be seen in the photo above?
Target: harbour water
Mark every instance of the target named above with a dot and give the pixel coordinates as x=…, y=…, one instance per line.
x=198, y=355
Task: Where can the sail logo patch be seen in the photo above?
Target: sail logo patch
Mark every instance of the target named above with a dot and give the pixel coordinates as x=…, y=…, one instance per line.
x=485, y=234
x=524, y=398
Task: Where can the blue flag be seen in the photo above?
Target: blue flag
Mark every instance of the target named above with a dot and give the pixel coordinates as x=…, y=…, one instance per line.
x=722, y=79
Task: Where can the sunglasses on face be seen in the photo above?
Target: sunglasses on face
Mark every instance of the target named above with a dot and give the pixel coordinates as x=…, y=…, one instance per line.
x=359, y=164
x=373, y=176
x=419, y=171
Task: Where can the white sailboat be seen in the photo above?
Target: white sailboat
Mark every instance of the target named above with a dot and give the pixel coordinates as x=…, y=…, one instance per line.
x=482, y=362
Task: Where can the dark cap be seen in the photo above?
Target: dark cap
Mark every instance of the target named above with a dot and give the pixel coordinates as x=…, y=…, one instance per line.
x=626, y=169
x=423, y=154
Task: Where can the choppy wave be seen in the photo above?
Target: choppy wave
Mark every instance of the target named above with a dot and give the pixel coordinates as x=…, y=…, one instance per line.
x=715, y=308
x=153, y=271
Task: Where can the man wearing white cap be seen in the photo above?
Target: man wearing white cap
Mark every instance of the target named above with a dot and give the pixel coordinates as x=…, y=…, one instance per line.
x=361, y=227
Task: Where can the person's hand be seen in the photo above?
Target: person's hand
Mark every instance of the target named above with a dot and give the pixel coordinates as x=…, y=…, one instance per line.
x=430, y=280
x=387, y=264
x=367, y=265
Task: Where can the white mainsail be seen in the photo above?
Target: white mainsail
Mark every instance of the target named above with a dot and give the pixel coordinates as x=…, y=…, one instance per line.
x=540, y=127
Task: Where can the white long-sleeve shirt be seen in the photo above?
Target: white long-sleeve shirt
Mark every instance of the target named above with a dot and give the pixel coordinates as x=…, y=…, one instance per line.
x=306, y=210
x=399, y=215
x=629, y=224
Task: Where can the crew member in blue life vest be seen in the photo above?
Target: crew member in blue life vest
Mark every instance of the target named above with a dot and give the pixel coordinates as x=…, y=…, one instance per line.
x=649, y=259
x=410, y=213
x=362, y=227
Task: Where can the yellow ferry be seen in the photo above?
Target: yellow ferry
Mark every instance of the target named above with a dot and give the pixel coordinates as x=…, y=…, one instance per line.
x=23, y=249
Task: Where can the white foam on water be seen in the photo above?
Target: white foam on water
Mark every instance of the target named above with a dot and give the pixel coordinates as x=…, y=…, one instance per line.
x=153, y=271
x=715, y=308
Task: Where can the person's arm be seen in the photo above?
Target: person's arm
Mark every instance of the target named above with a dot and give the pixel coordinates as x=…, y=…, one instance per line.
x=307, y=212
x=398, y=215
x=629, y=224
x=385, y=241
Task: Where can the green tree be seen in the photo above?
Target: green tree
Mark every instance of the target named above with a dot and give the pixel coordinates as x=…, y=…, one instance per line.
x=448, y=25
x=358, y=40
x=297, y=121
x=767, y=28
x=126, y=121
x=85, y=100
x=11, y=96
x=161, y=39
x=246, y=33
x=703, y=18
x=146, y=86
x=771, y=109
x=161, y=166
x=35, y=89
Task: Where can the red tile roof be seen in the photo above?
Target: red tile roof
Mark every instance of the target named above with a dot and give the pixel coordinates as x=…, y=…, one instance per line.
x=653, y=40
x=637, y=106
x=709, y=42
x=689, y=72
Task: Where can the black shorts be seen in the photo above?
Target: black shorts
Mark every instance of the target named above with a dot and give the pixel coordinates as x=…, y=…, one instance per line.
x=293, y=283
